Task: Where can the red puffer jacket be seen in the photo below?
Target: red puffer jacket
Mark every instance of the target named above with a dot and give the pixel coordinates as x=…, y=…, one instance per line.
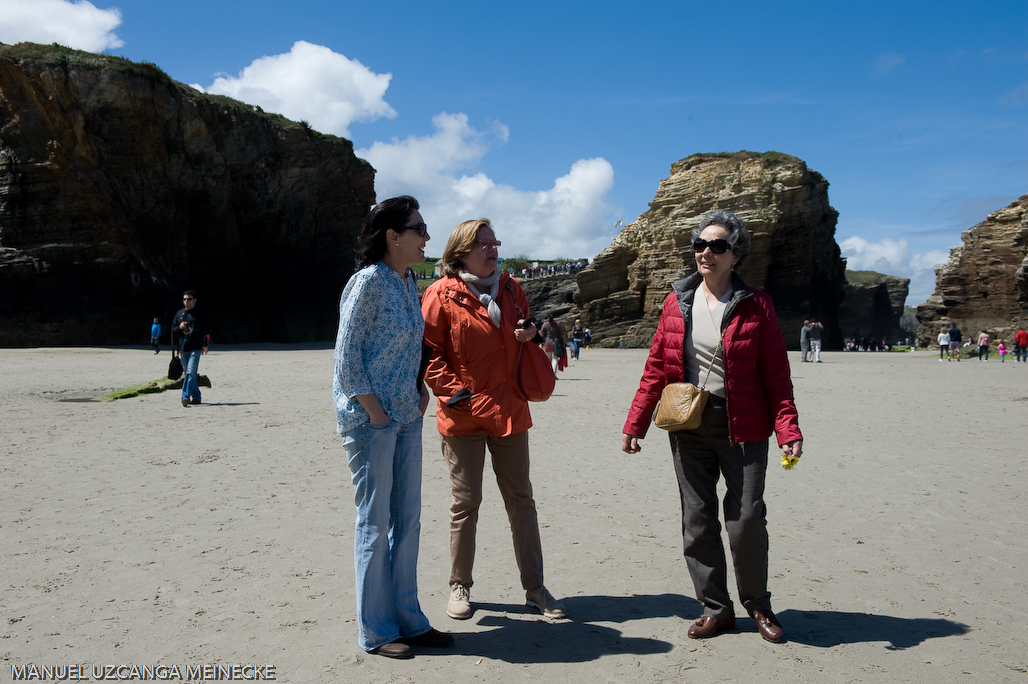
x=468, y=351
x=757, y=379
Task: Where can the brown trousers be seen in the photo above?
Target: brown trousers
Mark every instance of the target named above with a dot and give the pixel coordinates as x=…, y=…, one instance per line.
x=465, y=456
x=700, y=457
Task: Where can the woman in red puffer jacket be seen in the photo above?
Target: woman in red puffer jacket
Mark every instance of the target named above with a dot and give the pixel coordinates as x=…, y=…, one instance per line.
x=712, y=320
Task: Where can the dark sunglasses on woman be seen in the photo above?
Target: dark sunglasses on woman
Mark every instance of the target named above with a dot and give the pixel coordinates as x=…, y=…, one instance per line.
x=718, y=246
x=420, y=227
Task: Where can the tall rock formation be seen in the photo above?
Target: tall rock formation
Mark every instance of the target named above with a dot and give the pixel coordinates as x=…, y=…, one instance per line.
x=984, y=285
x=794, y=256
x=120, y=188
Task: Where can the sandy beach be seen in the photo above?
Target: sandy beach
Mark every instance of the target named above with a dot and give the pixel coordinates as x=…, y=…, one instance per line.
x=142, y=533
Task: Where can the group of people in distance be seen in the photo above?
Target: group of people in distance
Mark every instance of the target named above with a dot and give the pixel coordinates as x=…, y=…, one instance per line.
x=949, y=340
x=462, y=341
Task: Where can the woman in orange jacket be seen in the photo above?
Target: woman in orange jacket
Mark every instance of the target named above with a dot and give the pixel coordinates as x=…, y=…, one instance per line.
x=475, y=324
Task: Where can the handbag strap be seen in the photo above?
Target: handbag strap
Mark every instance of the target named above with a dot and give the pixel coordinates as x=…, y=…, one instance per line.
x=510, y=288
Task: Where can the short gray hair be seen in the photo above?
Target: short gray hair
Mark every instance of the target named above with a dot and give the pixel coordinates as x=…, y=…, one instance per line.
x=738, y=235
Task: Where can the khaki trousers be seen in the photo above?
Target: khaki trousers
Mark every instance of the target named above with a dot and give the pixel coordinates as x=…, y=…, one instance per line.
x=465, y=456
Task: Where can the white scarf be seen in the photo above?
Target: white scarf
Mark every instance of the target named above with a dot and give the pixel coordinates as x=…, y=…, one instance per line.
x=492, y=282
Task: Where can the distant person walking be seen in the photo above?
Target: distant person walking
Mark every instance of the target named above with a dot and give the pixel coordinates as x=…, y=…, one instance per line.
x=553, y=341
x=577, y=339
x=954, y=341
x=814, y=329
x=190, y=328
x=983, y=345
x=804, y=341
x=155, y=336
x=943, y=338
x=1021, y=346
x=1002, y=349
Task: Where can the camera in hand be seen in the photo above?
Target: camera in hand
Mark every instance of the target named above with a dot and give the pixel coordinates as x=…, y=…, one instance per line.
x=527, y=323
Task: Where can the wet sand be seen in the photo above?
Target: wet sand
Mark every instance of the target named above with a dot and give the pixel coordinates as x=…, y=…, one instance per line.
x=140, y=532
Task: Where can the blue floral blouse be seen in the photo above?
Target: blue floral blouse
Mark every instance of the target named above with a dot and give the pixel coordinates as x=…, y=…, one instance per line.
x=378, y=347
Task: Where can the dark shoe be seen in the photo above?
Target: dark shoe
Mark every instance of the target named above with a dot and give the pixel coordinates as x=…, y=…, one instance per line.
x=393, y=650
x=769, y=626
x=433, y=638
x=185, y=402
x=195, y=401
x=706, y=627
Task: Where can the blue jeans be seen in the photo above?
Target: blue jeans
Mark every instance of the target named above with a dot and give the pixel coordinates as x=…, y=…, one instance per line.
x=191, y=364
x=385, y=466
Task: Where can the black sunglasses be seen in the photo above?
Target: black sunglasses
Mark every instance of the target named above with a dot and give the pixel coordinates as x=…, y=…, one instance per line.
x=422, y=228
x=718, y=246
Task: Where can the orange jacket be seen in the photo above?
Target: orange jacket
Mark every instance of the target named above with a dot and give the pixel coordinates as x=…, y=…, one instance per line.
x=467, y=350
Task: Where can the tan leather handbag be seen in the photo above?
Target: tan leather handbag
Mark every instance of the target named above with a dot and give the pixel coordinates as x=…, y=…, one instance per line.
x=681, y=403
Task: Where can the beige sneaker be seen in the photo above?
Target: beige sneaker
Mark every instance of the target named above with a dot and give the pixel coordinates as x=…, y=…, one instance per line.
x=542, y=599
x=459, y=606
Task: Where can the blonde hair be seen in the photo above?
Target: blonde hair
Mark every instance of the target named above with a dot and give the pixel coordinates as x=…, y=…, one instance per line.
x=462, y=241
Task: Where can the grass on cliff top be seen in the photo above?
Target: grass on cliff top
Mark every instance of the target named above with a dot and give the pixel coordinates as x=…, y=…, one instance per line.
x=60, y=55
x=863, y=277
x=770, y=155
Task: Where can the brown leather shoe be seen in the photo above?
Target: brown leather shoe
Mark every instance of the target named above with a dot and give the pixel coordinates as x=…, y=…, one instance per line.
x=769, y=626
x=393, y=649
x=707, y=627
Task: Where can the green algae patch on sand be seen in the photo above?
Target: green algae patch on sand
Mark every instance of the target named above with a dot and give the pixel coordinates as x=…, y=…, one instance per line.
x=153, y=387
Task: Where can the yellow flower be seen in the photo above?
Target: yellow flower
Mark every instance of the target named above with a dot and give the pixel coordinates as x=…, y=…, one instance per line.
x=789, y=461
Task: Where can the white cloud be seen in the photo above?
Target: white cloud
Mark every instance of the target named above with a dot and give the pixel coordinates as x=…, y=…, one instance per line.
x=311, y=83
x=1014, y=97
x=893, y=257
x=331, y=92
x=566, y=220
x=79, y=25
x=888, y=61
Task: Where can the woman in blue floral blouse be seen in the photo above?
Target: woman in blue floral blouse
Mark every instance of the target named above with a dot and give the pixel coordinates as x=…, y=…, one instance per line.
x=380, y=400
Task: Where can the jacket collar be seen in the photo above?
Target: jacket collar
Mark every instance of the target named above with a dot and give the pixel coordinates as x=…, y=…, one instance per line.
x=456, y=288
x=685, y=290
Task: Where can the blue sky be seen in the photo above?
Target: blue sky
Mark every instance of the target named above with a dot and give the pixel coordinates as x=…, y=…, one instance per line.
x=556, y=119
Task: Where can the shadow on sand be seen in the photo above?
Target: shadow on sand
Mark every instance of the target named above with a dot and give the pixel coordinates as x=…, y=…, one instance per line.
x=519, y=634
x=826, y=628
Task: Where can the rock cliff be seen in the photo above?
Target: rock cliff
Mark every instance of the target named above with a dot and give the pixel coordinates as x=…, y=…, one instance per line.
x=794, y=256
x=984, y=285
x=119, y=188
x=875, y=307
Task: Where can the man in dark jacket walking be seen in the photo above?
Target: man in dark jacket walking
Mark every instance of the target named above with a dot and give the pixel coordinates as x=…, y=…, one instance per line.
x=189, y=329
